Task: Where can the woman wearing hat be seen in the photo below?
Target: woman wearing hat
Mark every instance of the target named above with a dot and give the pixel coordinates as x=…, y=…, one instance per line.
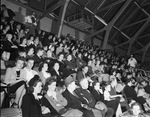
x=31, y=106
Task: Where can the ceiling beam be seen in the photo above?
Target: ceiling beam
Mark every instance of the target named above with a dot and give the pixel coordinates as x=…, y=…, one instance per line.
x=135, y=36
x=142, y=9
x=134, y=23
x=99, y=6
x=145, y=3
x=52, y=8
x=125, y=22
x=87, y=3
x=143, y=36
x=118, y=14
x=86, y=9
x=112, y=22
x=110, y=5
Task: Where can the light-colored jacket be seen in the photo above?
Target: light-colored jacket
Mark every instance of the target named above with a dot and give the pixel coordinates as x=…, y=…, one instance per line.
x=58, y=104
x=11, y=76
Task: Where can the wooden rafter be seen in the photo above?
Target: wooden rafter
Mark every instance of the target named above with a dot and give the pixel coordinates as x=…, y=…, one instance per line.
x=110, y=5
x=122, y=24
x=140, y=21
x=52, y=8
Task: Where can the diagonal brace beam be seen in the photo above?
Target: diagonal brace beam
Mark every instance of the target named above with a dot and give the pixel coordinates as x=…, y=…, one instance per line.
x=113, y=20
x=143, y=49
x=136, y=35
x=111, y=24
x=52, y=8
x=134, y=23
x=110, y=5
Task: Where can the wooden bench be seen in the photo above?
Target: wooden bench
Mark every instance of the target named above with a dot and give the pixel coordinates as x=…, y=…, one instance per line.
x=11, y=112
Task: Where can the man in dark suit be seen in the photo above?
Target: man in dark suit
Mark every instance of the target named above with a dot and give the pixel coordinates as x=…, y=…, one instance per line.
x=82, y=74
x=38, y=56
x=87, y=98
x=73, y=100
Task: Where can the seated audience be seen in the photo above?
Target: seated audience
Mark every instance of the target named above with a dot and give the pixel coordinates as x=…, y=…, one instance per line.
x=62, y=57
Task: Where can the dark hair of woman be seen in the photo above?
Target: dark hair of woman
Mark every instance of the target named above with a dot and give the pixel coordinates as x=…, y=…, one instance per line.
x=21, y=39
x=30, y=58
x=48, y=82
x=30, y=36
x=61, y=53
x=33, y=82
x=29, y=47
x=41, y=66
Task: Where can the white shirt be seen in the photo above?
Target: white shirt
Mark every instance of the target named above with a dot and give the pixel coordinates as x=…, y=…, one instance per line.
x=107, y=96
x=29, y=74
x=28, y=19
x=132, y=62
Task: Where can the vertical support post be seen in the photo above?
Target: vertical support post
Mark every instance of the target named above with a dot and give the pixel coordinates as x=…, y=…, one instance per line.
x=61, y=17
x=92, y=41
x=76, y=34
x=145, y=50
x=143, y=56
x=106, y=38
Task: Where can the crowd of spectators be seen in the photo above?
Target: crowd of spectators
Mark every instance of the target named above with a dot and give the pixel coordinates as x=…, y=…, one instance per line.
x=65, y=77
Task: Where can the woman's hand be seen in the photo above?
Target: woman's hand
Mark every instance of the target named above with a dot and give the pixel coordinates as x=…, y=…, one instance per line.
x=45, y=110
x=58, y=104
x=14, y=46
